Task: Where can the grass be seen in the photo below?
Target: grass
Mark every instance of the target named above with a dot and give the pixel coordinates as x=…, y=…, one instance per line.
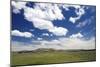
x=51, y=57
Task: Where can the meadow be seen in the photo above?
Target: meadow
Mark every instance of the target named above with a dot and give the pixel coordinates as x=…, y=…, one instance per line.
x=48, y=56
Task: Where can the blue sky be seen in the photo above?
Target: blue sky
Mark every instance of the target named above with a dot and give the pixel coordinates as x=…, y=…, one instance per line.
x=48, y=21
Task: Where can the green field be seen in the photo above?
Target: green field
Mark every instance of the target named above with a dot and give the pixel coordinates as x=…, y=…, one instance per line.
x=51, y=57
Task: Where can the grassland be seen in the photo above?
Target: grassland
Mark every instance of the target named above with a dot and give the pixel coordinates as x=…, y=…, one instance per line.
x=51, y=57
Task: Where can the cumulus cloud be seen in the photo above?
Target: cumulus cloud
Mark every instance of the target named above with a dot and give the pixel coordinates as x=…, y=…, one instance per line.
x=21, y=34
x=59, y=31
x=50, y=11
x=78, y=35
x=42, y=24
x=79, y=12
x=42, y=16
x=59, y=44
x=17, y=6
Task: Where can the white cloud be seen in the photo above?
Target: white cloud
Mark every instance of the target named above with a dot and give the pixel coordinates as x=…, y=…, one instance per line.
x=79, y=11
x=44, y=11
x=62, y=44
x=81, y=24
x=76, y=43
x=66, y=7
x=17, y=6
x=49, y=11
x=85, y=22
x=39, y=38
x=45, y=34
x=42, y=24
x=73, y=19
x=78, y=35
x=42, y=16
x=21, y=46
x=21, y=34
x=59, y=31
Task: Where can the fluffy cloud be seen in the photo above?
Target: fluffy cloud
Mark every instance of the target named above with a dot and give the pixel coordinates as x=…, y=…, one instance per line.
x=49, y=11
x=59, y=31
x=79, y=11
x=60, y=44
x=17, y=6
x=42, y=16
x=41, y=10
x=73, y=19
x=21, y=34
x=78, y=35
x=42, y=24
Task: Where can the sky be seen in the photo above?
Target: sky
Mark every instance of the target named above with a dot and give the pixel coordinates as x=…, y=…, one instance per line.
x=50, y=25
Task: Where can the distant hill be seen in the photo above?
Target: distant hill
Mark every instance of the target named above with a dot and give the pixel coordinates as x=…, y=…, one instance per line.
x=51, y=50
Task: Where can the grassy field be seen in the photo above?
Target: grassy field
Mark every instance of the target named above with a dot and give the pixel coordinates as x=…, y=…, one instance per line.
x=51, y=57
